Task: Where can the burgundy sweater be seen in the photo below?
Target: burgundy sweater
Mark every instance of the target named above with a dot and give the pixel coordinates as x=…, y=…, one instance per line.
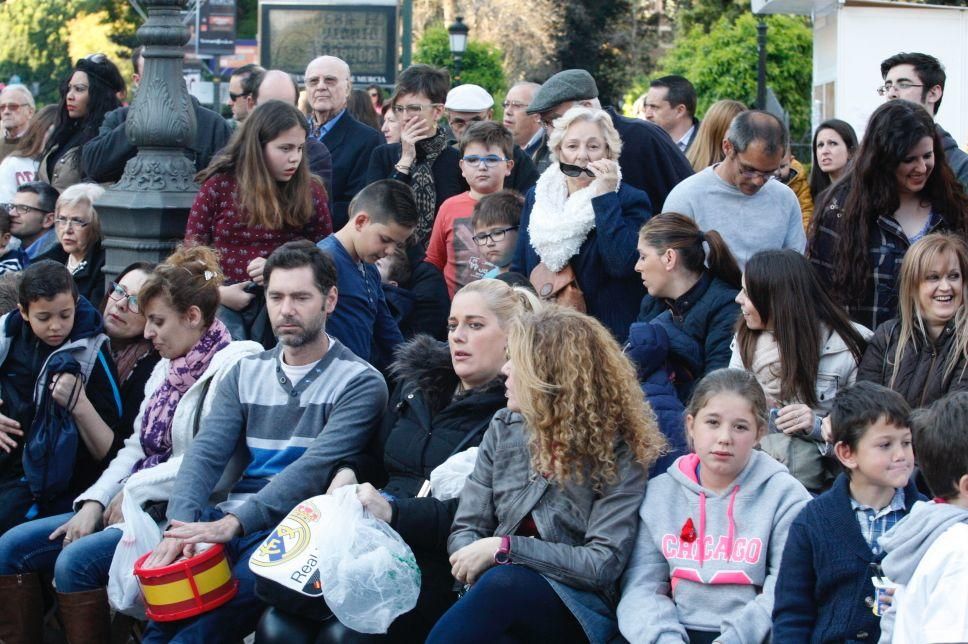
x=215, y=221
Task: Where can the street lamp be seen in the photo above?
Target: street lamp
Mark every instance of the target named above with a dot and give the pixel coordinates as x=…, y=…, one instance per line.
x=458, y=43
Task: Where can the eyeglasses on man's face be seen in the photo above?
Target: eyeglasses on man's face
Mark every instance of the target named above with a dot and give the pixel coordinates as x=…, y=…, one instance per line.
x=120, y=294
x=489, y=161
x=329, y=81
x=70, y=222
x=899, y=86
x=483, y=239
x=22, y=208
x=513, y=105
x=234, y=97
x=11, y=107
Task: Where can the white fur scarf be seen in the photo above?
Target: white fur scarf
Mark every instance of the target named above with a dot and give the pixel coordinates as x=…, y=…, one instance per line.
x=560, y=222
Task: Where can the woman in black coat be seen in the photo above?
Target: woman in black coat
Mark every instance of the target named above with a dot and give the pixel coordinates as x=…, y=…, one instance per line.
x=443, y=402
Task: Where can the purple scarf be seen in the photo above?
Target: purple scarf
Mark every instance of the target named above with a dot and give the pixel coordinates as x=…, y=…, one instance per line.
x=182, y=374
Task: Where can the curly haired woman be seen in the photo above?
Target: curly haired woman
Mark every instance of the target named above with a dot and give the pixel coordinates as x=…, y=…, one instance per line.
x=565, y=463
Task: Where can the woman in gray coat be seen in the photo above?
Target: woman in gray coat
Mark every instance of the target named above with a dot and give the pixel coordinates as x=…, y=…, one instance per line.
x=548, y=517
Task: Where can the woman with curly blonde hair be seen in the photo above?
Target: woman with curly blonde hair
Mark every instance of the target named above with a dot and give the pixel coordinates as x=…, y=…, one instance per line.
x=555, y=489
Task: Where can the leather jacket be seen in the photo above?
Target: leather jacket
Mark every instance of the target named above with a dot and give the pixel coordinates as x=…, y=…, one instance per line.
x=586, y=536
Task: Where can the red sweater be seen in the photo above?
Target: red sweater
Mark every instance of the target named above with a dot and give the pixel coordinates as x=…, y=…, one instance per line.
x=215, y=221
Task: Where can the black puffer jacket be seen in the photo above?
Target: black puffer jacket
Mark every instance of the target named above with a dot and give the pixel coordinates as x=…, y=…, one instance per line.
x=423, y=425
x=923, y=376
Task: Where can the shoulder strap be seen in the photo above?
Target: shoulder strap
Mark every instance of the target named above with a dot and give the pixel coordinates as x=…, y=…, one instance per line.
x=471, y=435
x=197, y=420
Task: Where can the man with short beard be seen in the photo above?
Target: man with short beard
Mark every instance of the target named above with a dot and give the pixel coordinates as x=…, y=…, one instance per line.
x=300, y=409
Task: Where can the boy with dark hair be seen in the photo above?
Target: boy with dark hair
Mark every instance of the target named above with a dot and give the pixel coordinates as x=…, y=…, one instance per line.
x=423, y=159
x=53, y=325
x=381, y=217
x=824, y=591
x=485, y=151
x=495, y=222
x=927, y=553
x=12, y=260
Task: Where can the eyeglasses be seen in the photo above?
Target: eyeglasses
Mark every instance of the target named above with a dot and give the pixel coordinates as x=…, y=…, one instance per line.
x=513, y=105
x=901, y=84
x=413, y=109
x=570, y=170
x=482, y=239
x=235, y=97
x=11, y=107
x=21, y=208
x=120, y=294
x=72, y=222
x=548, y=120
x=752, y=173
x=328, y=81
x=488, y=162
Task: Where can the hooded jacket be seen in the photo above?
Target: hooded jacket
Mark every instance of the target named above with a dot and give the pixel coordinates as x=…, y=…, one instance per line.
x=922, y=376
x=725, y=586
x=927, y=556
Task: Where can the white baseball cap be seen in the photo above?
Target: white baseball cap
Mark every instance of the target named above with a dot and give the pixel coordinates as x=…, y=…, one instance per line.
x=468, y=98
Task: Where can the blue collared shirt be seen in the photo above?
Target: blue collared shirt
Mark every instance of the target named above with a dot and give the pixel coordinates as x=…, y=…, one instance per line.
x=319, y=131
x=43, y=244
x=873, y=523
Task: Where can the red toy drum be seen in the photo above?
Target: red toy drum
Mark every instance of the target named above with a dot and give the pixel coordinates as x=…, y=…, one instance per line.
x=188, y=587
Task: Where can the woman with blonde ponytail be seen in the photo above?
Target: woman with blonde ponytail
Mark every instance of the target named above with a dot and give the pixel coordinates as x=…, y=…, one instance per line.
x=179, y=300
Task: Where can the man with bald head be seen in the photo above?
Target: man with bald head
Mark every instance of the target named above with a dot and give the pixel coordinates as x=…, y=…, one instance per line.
x=16, y=108
x=103, y=158
x=277, y=85
x=349, y=142
x=524, y=127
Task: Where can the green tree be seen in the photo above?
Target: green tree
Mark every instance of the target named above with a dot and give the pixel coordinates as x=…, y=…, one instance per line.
x=481, y=64
x=705, y=13
x=723, y=64
x=42, y=37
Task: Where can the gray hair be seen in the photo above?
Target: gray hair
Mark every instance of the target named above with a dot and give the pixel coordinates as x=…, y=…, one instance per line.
x=612, y=140
x=83, y=195
x=17, y=87
x=757, y=125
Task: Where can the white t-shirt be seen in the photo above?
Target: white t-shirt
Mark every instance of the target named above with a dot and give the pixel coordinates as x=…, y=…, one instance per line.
x=14, y=172
x=933, y=607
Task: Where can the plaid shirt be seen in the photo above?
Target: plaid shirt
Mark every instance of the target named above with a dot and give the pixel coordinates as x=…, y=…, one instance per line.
x=887, y=244
x=873, y=523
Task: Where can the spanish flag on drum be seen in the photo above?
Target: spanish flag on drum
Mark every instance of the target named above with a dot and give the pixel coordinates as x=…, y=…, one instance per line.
x=188, y=587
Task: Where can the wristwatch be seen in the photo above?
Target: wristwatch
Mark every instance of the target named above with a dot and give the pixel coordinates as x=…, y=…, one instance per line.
x=503, y=554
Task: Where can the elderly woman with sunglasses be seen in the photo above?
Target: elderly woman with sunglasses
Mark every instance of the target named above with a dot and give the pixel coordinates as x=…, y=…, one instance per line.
x=580, y=215
x=78, y=230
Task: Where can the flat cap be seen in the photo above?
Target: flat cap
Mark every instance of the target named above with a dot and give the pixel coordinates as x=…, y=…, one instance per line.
x=469, y=98
x=567, y=85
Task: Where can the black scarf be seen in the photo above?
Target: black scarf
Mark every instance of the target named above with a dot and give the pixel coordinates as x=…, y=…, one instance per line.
x=422, y=183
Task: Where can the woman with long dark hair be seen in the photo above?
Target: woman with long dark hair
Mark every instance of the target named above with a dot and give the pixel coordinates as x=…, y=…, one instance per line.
x=690, y=294
x=87, y=95
x=256, y=195
x=834, y=144
x=899, y=189
x=802, y=349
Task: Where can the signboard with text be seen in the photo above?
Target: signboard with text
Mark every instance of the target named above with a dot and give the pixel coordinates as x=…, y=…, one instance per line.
x=216, y=27
x=364, y=35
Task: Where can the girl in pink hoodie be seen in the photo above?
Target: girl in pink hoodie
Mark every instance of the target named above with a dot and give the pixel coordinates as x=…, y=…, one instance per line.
x=712, y=527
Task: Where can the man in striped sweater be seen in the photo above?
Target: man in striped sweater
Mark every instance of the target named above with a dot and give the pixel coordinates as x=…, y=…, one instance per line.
x=298, y=409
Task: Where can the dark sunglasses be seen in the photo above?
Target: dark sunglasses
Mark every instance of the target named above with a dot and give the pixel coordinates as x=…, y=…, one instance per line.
x=574, y=170
x=236, y=97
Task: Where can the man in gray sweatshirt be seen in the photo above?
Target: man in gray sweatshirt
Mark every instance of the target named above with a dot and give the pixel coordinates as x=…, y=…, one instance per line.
x=297, y=411
x=739, y=197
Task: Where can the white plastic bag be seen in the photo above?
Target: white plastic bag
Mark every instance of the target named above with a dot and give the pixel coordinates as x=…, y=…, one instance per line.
x=368, y=573
x=140, y=535
x=447, y=479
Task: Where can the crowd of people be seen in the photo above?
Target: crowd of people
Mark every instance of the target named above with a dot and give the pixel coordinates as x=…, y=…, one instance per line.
x=709, y=391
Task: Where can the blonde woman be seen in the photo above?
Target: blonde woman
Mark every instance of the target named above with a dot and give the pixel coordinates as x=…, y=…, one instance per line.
x=565, y=463
x=707, y=146
x=78, y=230
x=923, y=353
x=580, y=217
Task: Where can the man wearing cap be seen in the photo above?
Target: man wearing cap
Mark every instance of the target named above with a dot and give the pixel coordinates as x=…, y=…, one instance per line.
x=103, y=158
x=467, y=104
x=649, y=160
x=349, y=142
x=16, y=108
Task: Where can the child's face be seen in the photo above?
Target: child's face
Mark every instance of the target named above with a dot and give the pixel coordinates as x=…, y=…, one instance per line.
x=484, y=177
x=497, y=251
x=51, y=320
x=884, y=456
x=4, y=240
x=723, y=435
x=375, y=240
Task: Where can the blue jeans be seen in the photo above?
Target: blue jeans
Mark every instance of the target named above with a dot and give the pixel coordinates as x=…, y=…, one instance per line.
x=509, y=603
x=229, y=622
x=82, y=565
